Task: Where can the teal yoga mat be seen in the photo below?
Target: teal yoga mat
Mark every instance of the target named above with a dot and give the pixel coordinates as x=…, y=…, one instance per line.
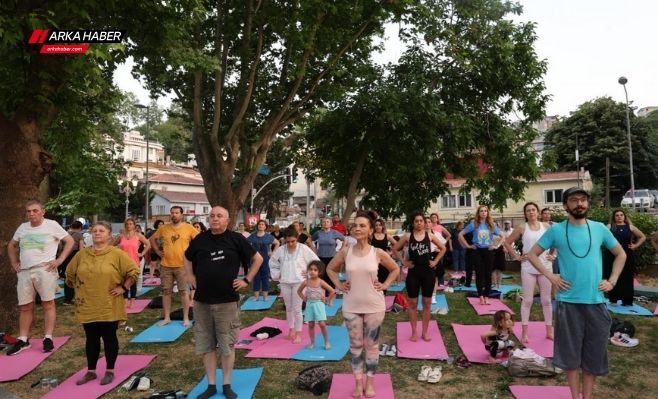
x=635, y=310
x=157, y=333
x=441, y=302
x=243, y=383
x=260, y=304
x=340, y=344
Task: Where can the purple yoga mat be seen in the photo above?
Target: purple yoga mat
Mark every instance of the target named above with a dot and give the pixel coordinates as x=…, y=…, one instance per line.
x=15, y=367
x=537, y=340
x=468, y=338
x=434, y=349
x=126, y=366
x=486, y=310
x=151, y=282
x=342, y=386
x=245, y=333
x=540, y=392
x=280, y=347
x=138, y=307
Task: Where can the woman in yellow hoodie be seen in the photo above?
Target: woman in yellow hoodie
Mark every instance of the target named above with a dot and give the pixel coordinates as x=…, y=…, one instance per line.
x=100, y=274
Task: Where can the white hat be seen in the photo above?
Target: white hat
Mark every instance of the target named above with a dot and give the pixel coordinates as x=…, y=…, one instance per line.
x=507, y=222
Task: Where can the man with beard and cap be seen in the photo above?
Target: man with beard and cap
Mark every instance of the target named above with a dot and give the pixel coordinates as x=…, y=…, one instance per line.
x=582, y=321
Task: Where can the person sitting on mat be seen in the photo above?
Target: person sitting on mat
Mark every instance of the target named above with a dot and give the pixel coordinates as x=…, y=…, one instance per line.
x=497, y=340
x=100, y=275
x=315, y=300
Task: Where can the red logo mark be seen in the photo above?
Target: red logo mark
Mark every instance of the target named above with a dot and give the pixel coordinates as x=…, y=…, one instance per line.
x=38, y=36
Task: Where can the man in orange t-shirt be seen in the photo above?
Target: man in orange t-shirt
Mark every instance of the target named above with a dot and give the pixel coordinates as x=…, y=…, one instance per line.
x=176, y=237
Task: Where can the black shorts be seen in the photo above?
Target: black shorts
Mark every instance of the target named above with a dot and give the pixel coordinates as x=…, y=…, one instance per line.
x=420, y=279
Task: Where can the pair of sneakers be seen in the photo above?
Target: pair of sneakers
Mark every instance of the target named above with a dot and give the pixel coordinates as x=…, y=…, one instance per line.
x=430, y=374
x=623, y=339
x=388, y=350
x=20, y=346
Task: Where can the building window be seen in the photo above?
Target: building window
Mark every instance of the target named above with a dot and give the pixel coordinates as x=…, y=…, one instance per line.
x=205, y=210
x=553, y=196
x=465, y=201
x=448, y=201
x=160, y=209
x=136, y=155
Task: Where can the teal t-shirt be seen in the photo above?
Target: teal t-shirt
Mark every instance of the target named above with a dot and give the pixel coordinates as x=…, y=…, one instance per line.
x=584, y=274
x=483, y=237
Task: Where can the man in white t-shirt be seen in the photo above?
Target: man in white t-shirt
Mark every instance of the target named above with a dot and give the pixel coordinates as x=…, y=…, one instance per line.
x=33, y=256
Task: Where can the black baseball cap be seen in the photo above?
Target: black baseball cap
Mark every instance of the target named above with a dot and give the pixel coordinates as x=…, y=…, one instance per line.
x=571, y=191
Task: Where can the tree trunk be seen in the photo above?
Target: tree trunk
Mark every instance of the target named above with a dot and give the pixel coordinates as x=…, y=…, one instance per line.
x=354, y=183
x=24, y=165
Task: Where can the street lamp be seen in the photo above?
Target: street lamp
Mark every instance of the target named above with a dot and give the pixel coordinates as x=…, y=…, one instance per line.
x=146, y=175
x=128, y=187
x=622, y=81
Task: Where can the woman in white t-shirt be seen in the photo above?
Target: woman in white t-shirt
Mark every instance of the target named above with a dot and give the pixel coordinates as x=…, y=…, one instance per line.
x=530, y=232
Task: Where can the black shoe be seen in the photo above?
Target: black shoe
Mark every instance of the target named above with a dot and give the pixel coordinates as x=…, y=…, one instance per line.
x=18, y=347
x=48, y=345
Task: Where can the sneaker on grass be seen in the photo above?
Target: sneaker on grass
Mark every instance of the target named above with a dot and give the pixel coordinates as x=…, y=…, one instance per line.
x=18, y=347
x=622, y=339
x=48, y=345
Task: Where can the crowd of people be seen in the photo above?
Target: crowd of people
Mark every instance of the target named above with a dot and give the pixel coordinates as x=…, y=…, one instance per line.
x=205, y=263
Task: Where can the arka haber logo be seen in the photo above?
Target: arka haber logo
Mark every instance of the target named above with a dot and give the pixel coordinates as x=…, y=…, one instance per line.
x=72, y=41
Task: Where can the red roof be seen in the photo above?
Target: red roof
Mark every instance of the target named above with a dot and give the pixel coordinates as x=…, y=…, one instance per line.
x=545, y=176
x=179, y=196
x=177, y=179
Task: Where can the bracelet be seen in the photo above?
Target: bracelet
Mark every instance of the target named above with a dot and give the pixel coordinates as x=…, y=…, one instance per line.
x=246, y=280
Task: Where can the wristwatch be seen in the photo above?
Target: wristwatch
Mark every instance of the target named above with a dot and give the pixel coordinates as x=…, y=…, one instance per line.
x=246, y=280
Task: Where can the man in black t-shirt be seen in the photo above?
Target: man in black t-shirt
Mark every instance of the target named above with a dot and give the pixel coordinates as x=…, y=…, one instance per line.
x=212, y=262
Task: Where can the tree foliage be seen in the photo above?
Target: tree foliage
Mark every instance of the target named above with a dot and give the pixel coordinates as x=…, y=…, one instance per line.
x=600, y=128
x=442, y=110
x=279, y=157
x=244, y=71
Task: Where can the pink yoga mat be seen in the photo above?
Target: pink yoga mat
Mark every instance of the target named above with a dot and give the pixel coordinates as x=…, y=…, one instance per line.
x=468, y=338
x=540, y=392
x=15, y=367
x=636, y=283
x=388, y=300
x=434, y=349
x=245, y=332
x=151, y=281
x=486, y=310
x=138, y=307
x=537, y=338
x=342, y=386
x=126, y=366
x=280, y=347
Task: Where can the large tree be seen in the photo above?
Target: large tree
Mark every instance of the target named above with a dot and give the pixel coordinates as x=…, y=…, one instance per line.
x=599, y=126
x=247, y=70
x=36, y=90
x=444, y=109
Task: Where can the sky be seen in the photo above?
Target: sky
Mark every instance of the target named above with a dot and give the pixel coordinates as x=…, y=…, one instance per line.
x=588, y=45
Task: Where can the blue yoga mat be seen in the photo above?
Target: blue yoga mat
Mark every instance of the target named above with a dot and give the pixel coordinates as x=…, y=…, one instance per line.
x=397, y=287
x=243, y=383
x=635, y=310
x=340, y=344
x=505, y=276
x=333, y=309
x=144, y=290
x=260, y=304
x=156, y=333
x=441, y=302
x=505, y=288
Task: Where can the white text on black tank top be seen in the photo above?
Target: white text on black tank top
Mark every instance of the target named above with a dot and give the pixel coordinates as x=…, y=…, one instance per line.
x=419, y=248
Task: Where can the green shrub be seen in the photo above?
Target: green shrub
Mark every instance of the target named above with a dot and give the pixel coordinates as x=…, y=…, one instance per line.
x=647, y=223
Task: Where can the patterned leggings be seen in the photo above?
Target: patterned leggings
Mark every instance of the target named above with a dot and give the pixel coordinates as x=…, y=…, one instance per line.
x=363, y=329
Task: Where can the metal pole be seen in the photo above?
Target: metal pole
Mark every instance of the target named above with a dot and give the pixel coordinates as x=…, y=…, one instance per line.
x=578, y=161
x=308, y=201
x=146, y=178
x=623, y=80
x=127, y=203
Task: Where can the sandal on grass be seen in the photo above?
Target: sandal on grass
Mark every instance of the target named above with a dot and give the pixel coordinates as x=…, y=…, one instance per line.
x=435, y=375
x=424, y=373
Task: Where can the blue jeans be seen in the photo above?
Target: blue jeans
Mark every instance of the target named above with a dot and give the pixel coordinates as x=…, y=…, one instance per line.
x=459, y=259
x=262, y=278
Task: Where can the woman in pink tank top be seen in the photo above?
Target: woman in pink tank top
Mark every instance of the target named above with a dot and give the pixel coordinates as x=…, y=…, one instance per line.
x=129, y=240
x=363, y=301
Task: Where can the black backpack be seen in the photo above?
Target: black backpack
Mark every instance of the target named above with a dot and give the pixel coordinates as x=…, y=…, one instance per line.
x=316, y=379
x=622, y=326
x=156, y=303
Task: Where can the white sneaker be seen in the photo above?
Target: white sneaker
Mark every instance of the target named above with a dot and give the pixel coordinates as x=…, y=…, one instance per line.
x=433, y=298
x=383, y=350
x=424, y=373
x=435, y=375
x=622, y=339
x=449, y=290
x=144, y=384
x=392, y=351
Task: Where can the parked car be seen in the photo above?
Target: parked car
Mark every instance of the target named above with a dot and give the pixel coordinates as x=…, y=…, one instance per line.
x=643, y=200
x=655, y=197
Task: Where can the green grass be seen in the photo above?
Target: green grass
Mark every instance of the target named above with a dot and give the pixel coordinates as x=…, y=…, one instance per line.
x=632, y=370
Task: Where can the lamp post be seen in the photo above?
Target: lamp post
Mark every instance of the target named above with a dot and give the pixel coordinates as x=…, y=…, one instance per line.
x=146, y=175
x=622, y=81
x=127, y=187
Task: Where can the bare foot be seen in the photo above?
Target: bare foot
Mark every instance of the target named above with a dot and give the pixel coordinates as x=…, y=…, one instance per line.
x=165, y=322
x=486, y=302
x=549, y=333
x=255, y=298
x=426, y=338
x=370, y=391
x=525, y=339
x=414, y=337
x=327, y=346
x=297, y=339
x=358, y=391
x=493, y=360
x=291, y=335
x=186, y=323
x=266, y=298
x=310, y=346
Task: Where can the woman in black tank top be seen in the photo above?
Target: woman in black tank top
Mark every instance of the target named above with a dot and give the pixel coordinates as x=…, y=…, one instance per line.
x=382, y=241
x=420, y=277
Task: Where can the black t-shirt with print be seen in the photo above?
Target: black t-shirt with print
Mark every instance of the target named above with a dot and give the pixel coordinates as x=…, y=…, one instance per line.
x=216, y=260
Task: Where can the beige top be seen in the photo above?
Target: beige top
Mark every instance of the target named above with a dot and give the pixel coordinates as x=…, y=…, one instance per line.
x=362, y=273
x=93, y=276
